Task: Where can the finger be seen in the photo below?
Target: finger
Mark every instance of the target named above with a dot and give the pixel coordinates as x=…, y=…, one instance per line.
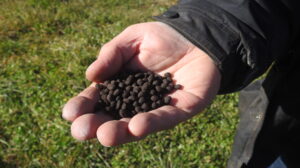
x=85, y=126
x=81, y=104
x=113, y=133
x=108, y=63
x=114, y=55
x=162, y=118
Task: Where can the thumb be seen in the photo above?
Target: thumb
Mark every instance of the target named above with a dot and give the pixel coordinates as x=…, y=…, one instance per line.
x=113, y=55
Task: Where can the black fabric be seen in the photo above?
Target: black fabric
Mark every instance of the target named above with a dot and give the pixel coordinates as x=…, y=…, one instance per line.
x=279, y=134
x=245, y=37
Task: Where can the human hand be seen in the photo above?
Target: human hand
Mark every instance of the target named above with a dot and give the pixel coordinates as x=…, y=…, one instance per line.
x=150, y=46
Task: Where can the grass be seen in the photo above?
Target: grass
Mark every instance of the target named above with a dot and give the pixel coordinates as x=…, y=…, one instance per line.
x=45, y=47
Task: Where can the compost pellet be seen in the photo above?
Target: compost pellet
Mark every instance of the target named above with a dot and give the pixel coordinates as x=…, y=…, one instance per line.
x=167, y=99
x=153, y=105
x=154, y=98
x=141, y=94
x=141, y=100
x=152, y=92
x=177, y=86
x=167, y=74
x=130, y=93
x=145, y=106
x=137, y=109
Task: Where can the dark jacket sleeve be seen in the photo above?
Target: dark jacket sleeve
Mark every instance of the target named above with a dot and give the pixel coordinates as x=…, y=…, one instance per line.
x=243, y=37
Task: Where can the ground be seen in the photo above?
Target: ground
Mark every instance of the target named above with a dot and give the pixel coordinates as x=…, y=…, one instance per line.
x=45, y=47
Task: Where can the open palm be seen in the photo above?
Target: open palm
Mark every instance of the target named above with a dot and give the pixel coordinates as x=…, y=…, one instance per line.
x=147, y=46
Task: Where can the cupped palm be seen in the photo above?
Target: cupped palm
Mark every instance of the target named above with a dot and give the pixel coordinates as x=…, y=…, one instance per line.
x=150, y=46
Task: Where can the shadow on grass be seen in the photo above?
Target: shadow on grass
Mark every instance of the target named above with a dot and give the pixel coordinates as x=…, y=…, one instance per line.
x=4, y=164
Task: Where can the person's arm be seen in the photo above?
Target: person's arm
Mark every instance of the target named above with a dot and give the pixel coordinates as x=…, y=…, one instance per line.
x=243, y=37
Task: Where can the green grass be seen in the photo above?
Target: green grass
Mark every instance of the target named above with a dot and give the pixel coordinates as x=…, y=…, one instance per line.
x=45, y=47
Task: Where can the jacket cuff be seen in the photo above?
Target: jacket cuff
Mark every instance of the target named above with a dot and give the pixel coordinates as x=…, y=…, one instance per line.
x=228, y=42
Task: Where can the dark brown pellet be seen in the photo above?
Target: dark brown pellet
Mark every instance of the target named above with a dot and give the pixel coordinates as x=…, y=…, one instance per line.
x=158, y=102
x=158, y=88
x=153, y=105
x=171, y=85
x=138, y=75
x=113, y=82
x=128, y=88
x=167, y=99
x=145, y=107
x=145, y=80
x=135, y=104
x=141, y=94
x=177, y=86
x=111, y=92
x=118, y=98
x=138, y=109
x=128, y=82
x=136, y=90
x=121, y=85
x=163, y=85
x=112, y=104
x=134, y=85
x=100, y=86
x=154, y=98
x=123, y=107
x=122, y=113
x=139, y=82
x=109, y=98
x=118, y=105
x=111, y=86
x=169, y=88
x=103, y=97
x=125, y=94
x=105, y=90
x=141, y=100
x=167, y=74
x=131, y=92
x=127, y=100
x=131, y=97
x=150, y=78
x=145, y=86
x=169, y=79
x=156, y=82
x=132, y=113
x=116, y=92
x=134, y=97
x=152, y=92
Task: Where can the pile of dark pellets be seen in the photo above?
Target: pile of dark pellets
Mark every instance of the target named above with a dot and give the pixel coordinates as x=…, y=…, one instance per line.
x=129, y=93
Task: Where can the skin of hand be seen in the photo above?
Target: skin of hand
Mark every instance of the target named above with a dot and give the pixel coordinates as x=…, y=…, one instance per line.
x=151, y=46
